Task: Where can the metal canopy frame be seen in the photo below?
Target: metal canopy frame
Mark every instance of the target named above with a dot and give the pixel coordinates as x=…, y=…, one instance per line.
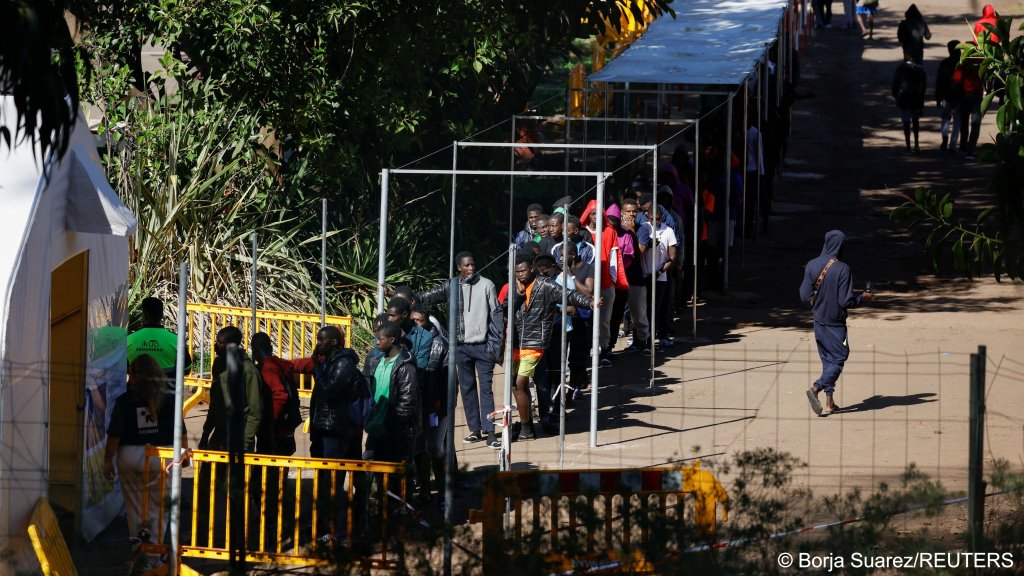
x=652, y=149
x=381, y=276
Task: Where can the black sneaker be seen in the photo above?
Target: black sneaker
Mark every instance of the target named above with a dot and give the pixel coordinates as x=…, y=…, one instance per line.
x=527, y=433
x=493, y=442
x=473, y=437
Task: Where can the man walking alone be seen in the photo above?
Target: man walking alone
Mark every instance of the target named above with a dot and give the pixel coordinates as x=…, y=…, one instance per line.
x=828, y=288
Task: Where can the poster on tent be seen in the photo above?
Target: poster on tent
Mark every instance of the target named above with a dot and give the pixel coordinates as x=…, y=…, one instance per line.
x=105, y=380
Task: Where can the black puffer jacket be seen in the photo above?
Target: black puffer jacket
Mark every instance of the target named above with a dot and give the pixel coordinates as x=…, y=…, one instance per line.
x=434, y=384
x=337, y=383
x=404, y=416
x=533, y=324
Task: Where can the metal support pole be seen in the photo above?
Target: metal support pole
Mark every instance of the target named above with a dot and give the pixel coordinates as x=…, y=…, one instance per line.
x=235, y=404
x=451, y=234
x=179, y=423
x=568, y=124
x=595, y=360
x=976, y=453
x=449, y=455
x=505, y=463
x=382, y=241
x=760, y=153
x=727, y=241
x=563, y=269
x=511, y=181
x=697, y=204
x=323, y=264
x=746, y=163
x=255, y=258
x=654, y=275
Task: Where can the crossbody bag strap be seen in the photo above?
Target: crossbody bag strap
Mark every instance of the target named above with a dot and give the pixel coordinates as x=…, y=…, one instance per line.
x=817, y=283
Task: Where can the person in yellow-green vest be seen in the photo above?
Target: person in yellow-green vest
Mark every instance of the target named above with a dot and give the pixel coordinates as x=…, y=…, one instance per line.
x=155, y=340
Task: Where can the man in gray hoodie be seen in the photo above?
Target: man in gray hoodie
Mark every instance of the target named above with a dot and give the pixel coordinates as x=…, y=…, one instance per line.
x=478, y=300
x=828, y=288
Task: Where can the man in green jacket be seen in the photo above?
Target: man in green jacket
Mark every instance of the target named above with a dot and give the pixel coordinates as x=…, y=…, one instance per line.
x=215, y=429
x=155, y=340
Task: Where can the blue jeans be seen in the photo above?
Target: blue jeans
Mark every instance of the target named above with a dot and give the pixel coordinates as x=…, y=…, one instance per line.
x=833, y=349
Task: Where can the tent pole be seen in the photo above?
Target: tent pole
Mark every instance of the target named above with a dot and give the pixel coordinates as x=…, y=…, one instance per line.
x=746, y=164
x=760, y=97
x=451, y=226
x=323, y=263
x=179, y=423
x=654, y=259
x=728, y=196
x=506, y=436
x=255, y=258
x=568, y=125
x=595, y=360
x=697, y=203
x=454, y=287
x=511, y=181
x=382, y=240
x=561, y=367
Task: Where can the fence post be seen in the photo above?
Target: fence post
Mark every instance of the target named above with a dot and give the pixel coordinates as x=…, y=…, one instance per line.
x=235, y=404
x=976, y=452
x=454, y=286
x=179, y=423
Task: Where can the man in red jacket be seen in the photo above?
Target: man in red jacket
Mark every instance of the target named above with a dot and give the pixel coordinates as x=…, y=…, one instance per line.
x=967, y=80
x=988, y=16
x=277, y=435
x=609, y=284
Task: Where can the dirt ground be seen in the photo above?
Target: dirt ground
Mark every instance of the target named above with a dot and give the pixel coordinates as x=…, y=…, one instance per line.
x=740, y=384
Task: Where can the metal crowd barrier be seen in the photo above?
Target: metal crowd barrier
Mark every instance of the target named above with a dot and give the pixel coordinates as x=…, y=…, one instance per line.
x=292, y=333
x=297, y=511
x=586, y=520
x=48, y=542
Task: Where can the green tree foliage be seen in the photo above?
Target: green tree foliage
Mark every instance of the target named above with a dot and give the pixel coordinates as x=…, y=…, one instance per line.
x=994, y=242
x=263, y=107
x=37, y=67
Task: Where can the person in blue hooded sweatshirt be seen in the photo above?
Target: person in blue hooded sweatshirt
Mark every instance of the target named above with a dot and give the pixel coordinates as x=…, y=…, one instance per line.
x=828, y=288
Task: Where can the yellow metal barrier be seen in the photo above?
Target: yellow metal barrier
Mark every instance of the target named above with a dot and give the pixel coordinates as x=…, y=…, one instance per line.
x=48, y=542
x=292, y=333
x=582, y=519
x=297, y=511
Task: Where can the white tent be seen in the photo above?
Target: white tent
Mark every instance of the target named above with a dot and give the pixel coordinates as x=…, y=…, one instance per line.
x=709, y=42
x=63, y=279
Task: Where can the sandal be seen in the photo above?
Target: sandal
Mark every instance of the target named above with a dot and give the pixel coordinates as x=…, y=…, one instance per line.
x=815, y=403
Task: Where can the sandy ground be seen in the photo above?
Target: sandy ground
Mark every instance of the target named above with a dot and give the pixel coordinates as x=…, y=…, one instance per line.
x=741, y=383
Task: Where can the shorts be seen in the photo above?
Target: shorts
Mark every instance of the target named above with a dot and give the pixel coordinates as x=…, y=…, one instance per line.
x=525, y=360
x=906, y=115
x=871, y=9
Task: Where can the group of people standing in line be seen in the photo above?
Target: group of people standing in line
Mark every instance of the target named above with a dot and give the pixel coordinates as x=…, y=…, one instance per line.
x=959, y=89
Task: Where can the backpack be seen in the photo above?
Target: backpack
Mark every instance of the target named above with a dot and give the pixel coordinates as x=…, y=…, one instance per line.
x=292, y=415
x=360, y=405
x=908, y=87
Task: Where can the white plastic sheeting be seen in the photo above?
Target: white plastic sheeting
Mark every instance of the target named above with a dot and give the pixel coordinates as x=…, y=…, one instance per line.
x=44, y=223
x=709, y=42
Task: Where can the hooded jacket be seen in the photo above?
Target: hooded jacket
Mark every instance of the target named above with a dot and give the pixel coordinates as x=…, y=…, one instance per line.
x=404, y=415
x=609, y=240
x=912, y=32
x=835, y=294
x=434, y=383
x=337, y=383
x=215, y=431
x=988, y=16
x=533, y=323
x=477, y=299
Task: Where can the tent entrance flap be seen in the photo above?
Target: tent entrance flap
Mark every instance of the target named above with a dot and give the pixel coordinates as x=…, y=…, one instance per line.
x=68, y=318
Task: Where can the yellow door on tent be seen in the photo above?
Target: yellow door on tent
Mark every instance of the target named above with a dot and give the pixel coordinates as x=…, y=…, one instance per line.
x=69, y=295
